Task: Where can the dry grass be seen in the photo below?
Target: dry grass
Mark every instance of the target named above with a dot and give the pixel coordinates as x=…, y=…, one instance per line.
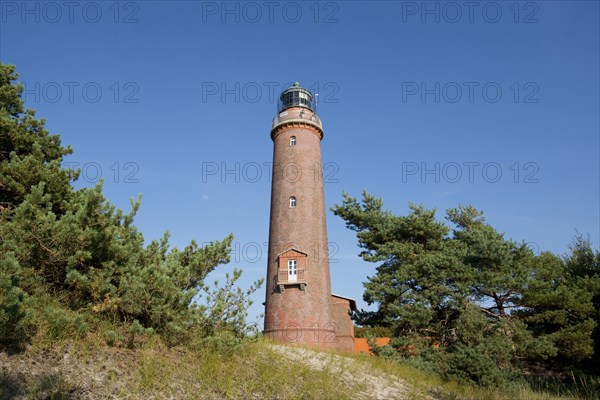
x=87, y=369
x=439, y=389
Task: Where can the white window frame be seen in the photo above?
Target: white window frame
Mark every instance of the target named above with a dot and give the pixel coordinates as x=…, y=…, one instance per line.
x=293, y=202
x=292, y=270
x=293, y=141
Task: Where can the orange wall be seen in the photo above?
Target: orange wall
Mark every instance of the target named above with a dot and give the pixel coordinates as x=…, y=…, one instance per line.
x=360, y=344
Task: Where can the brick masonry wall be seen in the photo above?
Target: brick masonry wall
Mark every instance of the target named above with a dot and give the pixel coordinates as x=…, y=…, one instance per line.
x=340, y=309
x=299, y=316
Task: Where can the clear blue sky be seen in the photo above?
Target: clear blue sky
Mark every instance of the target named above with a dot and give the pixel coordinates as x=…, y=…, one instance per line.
x=165, y=92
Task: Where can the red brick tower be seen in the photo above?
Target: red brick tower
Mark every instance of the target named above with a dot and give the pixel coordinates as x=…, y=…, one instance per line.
x=299, y=308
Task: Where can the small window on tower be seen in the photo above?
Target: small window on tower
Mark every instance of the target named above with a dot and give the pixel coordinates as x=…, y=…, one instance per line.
x=293, y=141
x=292, y=202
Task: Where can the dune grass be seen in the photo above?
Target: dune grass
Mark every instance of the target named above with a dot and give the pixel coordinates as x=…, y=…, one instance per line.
x=73, y=368
x=424, y=382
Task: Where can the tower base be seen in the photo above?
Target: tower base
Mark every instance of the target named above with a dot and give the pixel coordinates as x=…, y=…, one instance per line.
x=308, y=337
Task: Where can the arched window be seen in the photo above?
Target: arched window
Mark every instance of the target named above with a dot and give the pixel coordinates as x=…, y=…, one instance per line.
x=293, y=141
x=292, y=202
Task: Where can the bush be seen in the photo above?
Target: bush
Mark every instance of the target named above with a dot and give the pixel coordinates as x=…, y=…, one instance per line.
x=110, y=337
x=224, y=343
x=372, y=331
x=62, y=324
x=12, y=298
x=475, y=364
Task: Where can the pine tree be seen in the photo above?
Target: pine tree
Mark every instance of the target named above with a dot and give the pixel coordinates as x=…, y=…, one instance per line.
x=561, y=304
x=75, y=247
x=470, y=303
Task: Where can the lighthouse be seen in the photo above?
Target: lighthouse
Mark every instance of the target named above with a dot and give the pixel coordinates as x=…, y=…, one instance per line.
x=299, y=306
